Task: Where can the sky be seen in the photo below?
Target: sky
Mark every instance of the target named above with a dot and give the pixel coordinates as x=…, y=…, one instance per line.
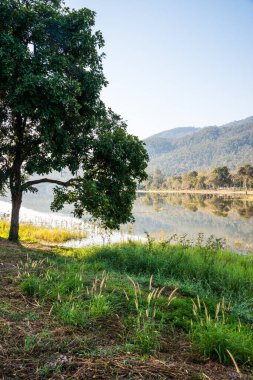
x=176, y=63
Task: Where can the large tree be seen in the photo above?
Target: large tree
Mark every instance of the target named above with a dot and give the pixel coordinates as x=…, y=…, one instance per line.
x=52, y=117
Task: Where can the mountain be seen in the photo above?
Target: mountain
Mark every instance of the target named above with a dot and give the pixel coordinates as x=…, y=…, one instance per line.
x=163, y=141
x=181, y=150
x=175, y=133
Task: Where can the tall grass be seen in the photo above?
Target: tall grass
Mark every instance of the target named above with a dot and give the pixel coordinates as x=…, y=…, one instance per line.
x=216, y=337
x=202, y=269
x=146, y=329
x=134, y=284
x=31, y=233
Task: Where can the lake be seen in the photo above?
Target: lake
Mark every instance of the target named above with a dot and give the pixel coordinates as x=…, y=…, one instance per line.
x=159, y=214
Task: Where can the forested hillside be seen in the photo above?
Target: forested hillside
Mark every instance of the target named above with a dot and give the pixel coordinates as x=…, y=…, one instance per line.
x=184, y=149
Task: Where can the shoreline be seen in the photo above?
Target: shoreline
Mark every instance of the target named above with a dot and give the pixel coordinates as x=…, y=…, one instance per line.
x=207, y=192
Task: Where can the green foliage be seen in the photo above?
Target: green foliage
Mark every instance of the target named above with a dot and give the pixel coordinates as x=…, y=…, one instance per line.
x=144, y=336
x=48, y=370
x=180, y=314
x=220, y=177
x=52, y=117
x=107, y=189
x=190, y=180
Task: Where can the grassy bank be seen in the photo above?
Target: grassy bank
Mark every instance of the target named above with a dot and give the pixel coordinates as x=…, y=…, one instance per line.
x=30, y=233
x=140, y=302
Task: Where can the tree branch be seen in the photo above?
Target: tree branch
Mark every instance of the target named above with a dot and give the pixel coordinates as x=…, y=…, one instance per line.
x=48, y=180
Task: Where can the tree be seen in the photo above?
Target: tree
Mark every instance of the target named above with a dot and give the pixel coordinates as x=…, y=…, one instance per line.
x=246, y=173
x=52, y=117
x=220, y=177
x=201, y=182
x=190, y=180
x=157, y=179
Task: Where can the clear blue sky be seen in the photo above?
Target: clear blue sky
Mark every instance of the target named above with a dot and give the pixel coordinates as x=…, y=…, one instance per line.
x=174, y=63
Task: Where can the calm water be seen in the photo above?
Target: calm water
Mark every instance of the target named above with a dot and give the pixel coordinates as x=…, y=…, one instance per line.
x=161, y=215
x=224, y=217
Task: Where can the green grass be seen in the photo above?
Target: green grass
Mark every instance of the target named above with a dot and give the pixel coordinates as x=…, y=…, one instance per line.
x=196, y=270
x=30, y=233
x=133, y=283
x=214, y=341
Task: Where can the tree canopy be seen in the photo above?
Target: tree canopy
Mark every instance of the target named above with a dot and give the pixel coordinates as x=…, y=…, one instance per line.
x=52, y=117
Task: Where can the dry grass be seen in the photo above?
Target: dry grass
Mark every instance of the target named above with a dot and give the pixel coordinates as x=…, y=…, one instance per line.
x=31, y=233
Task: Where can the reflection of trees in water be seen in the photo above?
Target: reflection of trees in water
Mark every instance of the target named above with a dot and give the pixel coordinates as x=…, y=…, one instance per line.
x=217, y=205
x=220, y=206
x=246, y=210
x=157, y=201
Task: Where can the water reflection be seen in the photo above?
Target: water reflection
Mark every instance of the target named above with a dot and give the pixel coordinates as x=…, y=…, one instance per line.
x=161, y=215
x=226, y=217
x=218, y=205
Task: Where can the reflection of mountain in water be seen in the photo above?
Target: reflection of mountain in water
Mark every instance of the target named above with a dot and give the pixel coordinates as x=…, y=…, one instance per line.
x=185, y=213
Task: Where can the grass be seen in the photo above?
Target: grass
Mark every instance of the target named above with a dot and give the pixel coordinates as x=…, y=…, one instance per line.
x=79, y=296
x=196, y=270
x=140, y=297
x=216, y=336
x=31, y=233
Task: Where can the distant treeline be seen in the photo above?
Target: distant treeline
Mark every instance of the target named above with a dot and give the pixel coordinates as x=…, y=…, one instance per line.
x=220, y=177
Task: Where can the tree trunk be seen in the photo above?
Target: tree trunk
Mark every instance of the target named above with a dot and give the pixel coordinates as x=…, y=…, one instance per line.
x=16, y=199
x=246, y=185
x=16, y=176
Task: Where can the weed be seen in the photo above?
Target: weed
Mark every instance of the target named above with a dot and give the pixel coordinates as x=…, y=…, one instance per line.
x=48, y=370
x=30, y=343
x=217, y=339
x=145, y=335
x=99, y=307
x=150, y=241
x=71, y=313
x=32, y=286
